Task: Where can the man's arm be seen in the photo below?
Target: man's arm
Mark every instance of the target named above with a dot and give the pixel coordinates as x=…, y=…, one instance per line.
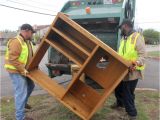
x=14, y=53
x=140, y=47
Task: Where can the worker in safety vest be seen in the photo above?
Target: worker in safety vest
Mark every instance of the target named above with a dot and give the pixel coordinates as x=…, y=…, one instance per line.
x=18, y=54
x=132, y=48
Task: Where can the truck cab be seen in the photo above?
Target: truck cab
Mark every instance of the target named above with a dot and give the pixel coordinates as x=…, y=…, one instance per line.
x=99, y=17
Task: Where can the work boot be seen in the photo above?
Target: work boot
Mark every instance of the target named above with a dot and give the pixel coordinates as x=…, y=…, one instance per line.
x=28, y=118
x=132, y=117
x=128, y=117
x=27, y=106
x=116, y=106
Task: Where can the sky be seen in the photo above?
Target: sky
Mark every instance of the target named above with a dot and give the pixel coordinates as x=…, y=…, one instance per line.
x=147, y=13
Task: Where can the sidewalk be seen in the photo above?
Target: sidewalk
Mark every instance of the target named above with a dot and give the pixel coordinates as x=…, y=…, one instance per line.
x=152, y=48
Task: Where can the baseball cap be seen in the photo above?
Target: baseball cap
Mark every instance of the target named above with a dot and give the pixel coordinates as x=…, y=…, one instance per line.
x=27, y=27
x=126, y=21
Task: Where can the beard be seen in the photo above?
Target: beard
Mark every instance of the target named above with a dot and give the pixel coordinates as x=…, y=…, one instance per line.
x=29, y=38
x=123, y=32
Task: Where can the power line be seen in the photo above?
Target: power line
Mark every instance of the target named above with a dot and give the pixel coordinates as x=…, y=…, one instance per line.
x=26, y=10
x=40, y=3
x=55, y=15
x=29, y=5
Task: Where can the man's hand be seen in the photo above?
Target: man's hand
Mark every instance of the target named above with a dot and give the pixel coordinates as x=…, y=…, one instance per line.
x=134, y=65
x=25, y=72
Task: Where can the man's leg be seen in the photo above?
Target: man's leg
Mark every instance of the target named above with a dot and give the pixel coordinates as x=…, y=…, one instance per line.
x=20, y=89
x=129, y=88
x=30, y=87
x=119, y=95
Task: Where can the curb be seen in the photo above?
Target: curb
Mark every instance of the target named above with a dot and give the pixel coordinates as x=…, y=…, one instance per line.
x=155, y=58
x=146, y=89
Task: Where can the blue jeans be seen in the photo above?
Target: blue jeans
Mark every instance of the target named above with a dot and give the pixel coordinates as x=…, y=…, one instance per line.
x=23, y=88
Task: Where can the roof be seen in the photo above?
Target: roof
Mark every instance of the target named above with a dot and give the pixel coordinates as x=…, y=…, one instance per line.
x=8, y=34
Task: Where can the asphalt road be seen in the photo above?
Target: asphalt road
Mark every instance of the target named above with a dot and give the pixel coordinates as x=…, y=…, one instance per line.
x=6, y=83
x=151, y=76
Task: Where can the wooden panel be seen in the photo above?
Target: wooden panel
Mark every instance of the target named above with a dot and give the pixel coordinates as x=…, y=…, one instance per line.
x=76, y=36
x=47, y=83
x=65, y=51
x=96, y=73
x=76, y=106
x=107, y=92
x=82, y=69
x=71, y=47
x=74, y=71
x=116, y=71
x=85, y=94
x=41, y=50
x=38, y=56
x=105, y=75
x=93, y=38
x=69, y=39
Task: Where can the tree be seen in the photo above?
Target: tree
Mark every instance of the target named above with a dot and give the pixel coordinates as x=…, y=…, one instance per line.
x=151, y=36
x=36, y=37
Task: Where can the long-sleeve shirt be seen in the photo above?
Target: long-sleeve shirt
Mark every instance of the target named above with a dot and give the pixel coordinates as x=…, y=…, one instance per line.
x=15, y=49
x=140, y=48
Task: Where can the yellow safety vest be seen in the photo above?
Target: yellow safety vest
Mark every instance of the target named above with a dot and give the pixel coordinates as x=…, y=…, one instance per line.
x=127, y=49
x=23, y=56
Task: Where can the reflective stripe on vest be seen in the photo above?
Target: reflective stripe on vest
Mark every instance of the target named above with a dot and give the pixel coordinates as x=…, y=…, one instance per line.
x=127, y=49
x=23, y=56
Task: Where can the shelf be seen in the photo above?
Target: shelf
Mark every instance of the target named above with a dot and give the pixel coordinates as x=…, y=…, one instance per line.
x=40, y=52
x=80, y=72
x=76, y=106
x=80, y=100
x=66, y=51
x=85, y=94
x=72, y=41
x=106, y=76
x=47, y=83
x=72, y=33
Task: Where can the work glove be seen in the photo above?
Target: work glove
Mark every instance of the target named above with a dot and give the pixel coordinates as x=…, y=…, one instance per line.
x=134, y=65
x=25, y=72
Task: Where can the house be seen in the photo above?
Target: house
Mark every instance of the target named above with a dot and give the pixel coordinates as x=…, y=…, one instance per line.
x=40, y=32
x=5, y=36
x=41, y=29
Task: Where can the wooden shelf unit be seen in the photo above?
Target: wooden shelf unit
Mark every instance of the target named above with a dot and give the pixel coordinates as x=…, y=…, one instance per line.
x=85, y=50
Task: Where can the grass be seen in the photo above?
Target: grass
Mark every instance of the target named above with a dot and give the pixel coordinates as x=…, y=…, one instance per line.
x=154, y=53
x=46, y=107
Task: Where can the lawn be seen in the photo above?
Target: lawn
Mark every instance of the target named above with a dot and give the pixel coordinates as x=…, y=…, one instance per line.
x=46, y=107
x=154, y=54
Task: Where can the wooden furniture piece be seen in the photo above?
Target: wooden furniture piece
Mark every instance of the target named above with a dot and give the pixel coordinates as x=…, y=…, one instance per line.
x=74, y=72
x=85, y=50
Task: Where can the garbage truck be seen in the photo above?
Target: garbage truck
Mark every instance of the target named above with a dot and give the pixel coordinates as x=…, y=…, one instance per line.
x=99, y=17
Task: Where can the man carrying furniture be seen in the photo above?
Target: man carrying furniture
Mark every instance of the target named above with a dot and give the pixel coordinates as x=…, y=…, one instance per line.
x=18, y=54
x=132, y=48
